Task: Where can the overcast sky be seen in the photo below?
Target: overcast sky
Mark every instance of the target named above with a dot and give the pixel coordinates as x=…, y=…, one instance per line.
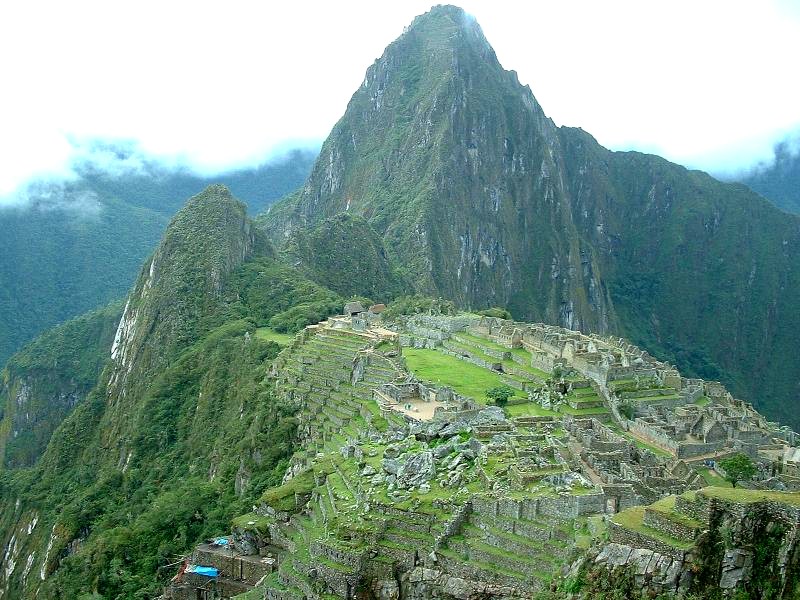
x=215, y=85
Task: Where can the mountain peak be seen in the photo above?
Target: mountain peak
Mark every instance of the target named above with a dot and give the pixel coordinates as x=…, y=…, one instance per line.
x=439, y=12
x=215, y=191
x=208, y=238
x=446, y=27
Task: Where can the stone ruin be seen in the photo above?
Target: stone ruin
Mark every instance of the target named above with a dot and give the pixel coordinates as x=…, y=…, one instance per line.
x=407, y=487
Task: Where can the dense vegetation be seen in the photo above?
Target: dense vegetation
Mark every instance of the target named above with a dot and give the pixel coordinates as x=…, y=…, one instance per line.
x=57, y=263
x=42, y=383
x=77, y=247
x=345, y=254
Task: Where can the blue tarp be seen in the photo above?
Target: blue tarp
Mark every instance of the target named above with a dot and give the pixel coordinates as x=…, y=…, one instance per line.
x=200, y=570
x=221, y=541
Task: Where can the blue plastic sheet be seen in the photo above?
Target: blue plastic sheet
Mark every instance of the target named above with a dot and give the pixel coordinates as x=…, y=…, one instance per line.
x=201, y=570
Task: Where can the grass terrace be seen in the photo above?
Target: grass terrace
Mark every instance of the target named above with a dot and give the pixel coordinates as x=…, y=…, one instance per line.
x=483, y=342
x=748, y=496
x=712, y=478
x=465, y=378
x=666, y=506
x=584, y=412
x=270, y=335
x=528, y=409
x=633, y=519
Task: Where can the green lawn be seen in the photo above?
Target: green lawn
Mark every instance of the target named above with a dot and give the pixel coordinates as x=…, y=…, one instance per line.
x=282, y=339
x=465, y=378
x=747, y=496
x=712, y=478
x=528, y=409
x=702, y=401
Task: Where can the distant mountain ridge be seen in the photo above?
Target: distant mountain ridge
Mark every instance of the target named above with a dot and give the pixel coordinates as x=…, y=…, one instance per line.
x=478, y=197
x=779, y=180
x=80, y=244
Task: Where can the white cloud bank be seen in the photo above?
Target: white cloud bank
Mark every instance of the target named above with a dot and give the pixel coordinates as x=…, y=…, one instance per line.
x=216, y=85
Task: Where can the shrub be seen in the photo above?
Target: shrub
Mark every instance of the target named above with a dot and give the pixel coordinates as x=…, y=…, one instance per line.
x=500, y=394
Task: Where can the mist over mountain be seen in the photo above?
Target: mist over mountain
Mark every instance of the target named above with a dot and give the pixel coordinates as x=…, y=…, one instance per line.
x=69, y=246
x=778, y=180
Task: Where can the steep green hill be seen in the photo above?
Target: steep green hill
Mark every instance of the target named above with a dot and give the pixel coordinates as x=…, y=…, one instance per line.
x=74, y=249
x=480, y=198
x=182, y=429
x=345, y=254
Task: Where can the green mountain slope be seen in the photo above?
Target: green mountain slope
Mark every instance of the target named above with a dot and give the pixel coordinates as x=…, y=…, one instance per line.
x=43, y=382
x=480, y=198
x=345, y=254
x=77, y=248
x=182, y=429
x=56, y=263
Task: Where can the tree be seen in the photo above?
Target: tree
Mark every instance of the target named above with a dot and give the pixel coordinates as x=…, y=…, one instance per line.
x=500, y=394
x=737, y=468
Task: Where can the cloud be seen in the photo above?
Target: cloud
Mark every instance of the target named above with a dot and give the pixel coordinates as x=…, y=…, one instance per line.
x=213, y=87
x=54, y=194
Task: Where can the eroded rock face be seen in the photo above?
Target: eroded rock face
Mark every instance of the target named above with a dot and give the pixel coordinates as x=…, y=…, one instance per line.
x=749, y=547
x=417, y=470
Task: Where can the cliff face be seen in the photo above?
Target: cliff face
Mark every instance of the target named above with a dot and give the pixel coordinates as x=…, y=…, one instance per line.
x=478, y=197
x=454, y=163
x=44, y=382
x=713, y=543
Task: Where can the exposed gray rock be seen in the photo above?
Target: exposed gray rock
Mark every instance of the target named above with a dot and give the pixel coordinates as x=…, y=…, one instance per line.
x=391, y=466
x=736, y=567
x=417, y=469
x=443, y=450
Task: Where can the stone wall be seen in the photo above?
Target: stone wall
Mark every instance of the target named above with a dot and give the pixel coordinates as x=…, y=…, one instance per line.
x=628, y=537
x=689, y=450
x=654, y=435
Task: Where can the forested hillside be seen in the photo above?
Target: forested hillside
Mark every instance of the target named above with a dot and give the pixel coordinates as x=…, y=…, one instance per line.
x=77, y=246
